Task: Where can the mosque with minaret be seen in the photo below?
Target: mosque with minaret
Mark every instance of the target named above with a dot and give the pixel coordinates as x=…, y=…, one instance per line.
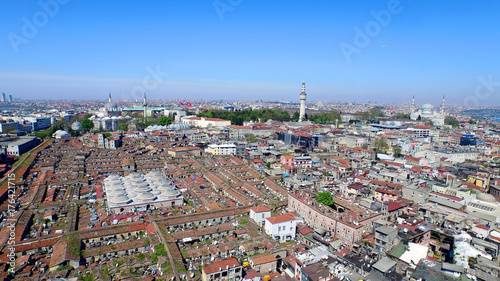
x=428, y=112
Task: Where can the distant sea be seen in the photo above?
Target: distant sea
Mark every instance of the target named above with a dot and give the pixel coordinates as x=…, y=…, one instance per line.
x=487, y=114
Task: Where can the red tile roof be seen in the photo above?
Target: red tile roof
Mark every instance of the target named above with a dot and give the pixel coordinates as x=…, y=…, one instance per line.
x=392, y=206
x=387, y=191
x=356, y=186
x=280, y=219
x=260, y=209
x=304, y=230
x=482, y=226
x=262, y=259
x=454, y=198
x=219, y=265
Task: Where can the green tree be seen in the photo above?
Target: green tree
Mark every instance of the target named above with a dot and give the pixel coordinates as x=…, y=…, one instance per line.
x=401, y=116
x=396, y=150
x=251, y=138
x=448, y=120
x=370, y=115
x=381, y=145
x=123, y=124
x=472, y=121
x=239, y=116
x=333, y=116
x=268, y=165
x=87, y=125
x=164, y=120
x=61, y=124
x=326, y=198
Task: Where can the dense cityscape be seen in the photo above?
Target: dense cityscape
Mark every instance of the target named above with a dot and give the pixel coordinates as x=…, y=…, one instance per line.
x=233, y=140
x=279, y=190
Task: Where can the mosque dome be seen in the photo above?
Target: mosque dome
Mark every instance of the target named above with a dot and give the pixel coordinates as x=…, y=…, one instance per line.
x=110, y=105
x=427, y=108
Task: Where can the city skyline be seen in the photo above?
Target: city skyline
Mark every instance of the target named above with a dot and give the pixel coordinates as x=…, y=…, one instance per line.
x=215, y=51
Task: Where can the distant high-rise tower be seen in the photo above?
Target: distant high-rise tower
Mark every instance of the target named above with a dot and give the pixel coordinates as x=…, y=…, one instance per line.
x=3, y=97
x=145, y=104
x=442, y=107
x=302, y=111
x=109, y=98
x=10, y=98
x=413, y=105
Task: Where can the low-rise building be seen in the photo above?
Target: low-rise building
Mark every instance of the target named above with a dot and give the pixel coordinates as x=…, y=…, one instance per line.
x=229, y=269
x=181, y=151
x=264, y=263
x=259, y=214
x=281, y=227
x=385, y=238
x=204, y=122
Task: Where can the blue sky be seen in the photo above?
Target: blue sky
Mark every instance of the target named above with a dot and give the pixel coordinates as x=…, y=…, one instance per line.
x=252, y=50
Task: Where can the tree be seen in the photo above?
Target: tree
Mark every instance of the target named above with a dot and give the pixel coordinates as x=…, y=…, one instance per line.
x=251, y=138
x=333, y=116
x=381, y=145
x=472, y=121
x=42, y=134
x=164, y=120
x=396, y=150
x=326, y=198
x=371, y=115
x=122, y=127
x=268, y=165
x=237, y=117
x=87, y=125
x=61, y=124
x=448, y=120
x=401, y=116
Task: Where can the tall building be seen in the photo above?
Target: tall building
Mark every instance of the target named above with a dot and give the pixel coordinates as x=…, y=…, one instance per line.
x=302, y=111
x=10, y=98
x=145, y=104
x=3, y=97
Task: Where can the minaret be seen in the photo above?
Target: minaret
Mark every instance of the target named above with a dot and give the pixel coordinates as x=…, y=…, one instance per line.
x=145, y=104
x=442, y=107
x=109, y=99
x=302, y=110
x=413, y=105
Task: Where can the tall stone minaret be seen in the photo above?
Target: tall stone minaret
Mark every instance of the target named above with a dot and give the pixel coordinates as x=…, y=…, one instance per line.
x=109, y=98
x=145, y=104
x=413, y=105
x=302, y=111
x=442, y=107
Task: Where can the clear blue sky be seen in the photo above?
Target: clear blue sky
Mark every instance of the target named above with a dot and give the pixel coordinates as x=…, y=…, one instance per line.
x=256, y=50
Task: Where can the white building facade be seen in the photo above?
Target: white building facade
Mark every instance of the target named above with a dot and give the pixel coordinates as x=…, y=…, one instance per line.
x=281, y=227
x=259, y=214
